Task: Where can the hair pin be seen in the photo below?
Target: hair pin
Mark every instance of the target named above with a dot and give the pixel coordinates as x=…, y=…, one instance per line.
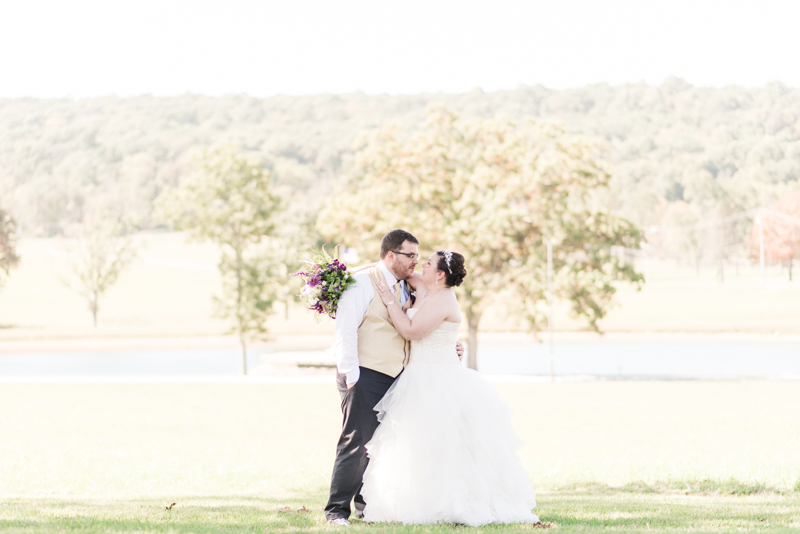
x=448, y=257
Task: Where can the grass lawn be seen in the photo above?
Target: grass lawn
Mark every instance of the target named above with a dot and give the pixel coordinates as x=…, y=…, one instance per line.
x=578, y=512
x=627, y=456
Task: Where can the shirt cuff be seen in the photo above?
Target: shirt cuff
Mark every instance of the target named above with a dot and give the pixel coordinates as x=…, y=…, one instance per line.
x=353, y=376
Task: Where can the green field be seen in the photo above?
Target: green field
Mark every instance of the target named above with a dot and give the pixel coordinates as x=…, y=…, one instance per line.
x=168, y=293
x=612, y=456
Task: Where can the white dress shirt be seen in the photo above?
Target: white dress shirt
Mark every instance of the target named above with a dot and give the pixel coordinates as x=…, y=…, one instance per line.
x=353, y=306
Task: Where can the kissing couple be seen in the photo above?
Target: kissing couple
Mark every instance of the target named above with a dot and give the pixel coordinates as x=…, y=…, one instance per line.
x=424, y=440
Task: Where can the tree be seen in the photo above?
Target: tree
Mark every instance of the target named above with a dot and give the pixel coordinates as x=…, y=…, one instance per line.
x=229, y=200
x=781, y=226
x=493, y=190
x=296, y=235
x=722, y=230
x=8, y=244
x=103, y=252
x=722, y=237
x=682, y=232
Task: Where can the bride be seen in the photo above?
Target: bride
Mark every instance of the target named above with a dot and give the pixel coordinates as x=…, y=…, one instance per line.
x=445, y=450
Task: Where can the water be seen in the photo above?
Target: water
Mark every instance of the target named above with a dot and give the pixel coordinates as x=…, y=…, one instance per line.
x=129, y=363
x=679, y=360
x=625, y=360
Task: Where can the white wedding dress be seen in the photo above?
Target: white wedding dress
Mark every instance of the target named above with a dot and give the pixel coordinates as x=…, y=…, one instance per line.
x=445, y=450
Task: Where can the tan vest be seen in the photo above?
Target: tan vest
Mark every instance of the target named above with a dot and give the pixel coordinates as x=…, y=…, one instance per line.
x=380, y=347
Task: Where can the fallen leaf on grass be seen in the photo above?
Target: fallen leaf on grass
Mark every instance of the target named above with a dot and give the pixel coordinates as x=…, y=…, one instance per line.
x=762, y=520
x=285, y=510
x=543, y=524
x=303, y=510
x=171, y=505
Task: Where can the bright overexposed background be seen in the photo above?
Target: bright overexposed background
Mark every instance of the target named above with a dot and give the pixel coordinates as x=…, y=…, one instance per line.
x=80, y=48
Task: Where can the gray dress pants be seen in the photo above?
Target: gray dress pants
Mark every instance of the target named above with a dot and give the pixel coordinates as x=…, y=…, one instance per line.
x=359, y=422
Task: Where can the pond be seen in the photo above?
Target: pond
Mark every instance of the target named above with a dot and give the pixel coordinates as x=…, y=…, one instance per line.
x=606, y=359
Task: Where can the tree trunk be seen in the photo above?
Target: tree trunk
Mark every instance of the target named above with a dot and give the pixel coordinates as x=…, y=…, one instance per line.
x=473, y=319
x=240, y=305
x=244, y=354
x=94, y=308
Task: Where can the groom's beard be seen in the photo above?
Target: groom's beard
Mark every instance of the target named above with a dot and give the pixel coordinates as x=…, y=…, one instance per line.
x=402, y=273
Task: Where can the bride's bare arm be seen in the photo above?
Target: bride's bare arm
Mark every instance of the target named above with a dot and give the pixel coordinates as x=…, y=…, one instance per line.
x=415, y=282
x=425, y=320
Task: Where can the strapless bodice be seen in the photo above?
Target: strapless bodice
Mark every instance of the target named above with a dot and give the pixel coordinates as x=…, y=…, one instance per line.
x=438, y=347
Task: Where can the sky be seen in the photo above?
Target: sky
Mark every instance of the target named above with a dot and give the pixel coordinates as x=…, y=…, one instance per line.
x=71, y=48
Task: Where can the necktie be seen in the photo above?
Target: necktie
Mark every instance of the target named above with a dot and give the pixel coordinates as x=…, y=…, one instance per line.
x=398, y=293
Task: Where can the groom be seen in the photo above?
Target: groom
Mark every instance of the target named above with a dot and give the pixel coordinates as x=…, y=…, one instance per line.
x=370, y=354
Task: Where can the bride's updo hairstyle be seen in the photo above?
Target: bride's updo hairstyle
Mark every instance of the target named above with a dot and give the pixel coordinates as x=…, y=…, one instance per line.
x=452, y=265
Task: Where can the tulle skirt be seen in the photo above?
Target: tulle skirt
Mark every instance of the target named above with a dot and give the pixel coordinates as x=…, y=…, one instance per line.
x=445, y=452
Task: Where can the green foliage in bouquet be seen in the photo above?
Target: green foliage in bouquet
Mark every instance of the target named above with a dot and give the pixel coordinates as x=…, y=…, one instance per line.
x=326, y=279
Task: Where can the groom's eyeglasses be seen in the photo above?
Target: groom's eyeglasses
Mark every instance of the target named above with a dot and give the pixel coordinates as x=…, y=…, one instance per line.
x=412, y=255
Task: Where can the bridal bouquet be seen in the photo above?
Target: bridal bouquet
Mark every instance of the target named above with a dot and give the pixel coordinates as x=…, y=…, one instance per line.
x=325, y=279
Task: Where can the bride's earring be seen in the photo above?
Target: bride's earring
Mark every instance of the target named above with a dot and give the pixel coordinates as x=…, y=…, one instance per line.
x=437, y=282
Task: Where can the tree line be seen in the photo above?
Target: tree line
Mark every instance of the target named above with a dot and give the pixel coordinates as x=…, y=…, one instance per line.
x=492, y=175
x=495, y=190
x=716, y=149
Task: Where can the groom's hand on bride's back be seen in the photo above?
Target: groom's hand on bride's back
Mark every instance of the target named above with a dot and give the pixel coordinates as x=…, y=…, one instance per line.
x=460, y=351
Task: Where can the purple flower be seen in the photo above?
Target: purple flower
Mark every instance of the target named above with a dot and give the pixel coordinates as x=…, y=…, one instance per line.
x=328, y=279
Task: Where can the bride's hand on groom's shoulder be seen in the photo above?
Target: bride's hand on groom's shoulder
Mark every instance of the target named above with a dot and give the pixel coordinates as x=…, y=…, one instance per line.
x=384, y=293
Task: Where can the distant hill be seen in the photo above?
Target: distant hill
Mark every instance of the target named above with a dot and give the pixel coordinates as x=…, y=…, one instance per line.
x=734, y=146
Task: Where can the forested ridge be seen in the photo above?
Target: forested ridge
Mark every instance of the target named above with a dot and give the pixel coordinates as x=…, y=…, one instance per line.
x=721, y=150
